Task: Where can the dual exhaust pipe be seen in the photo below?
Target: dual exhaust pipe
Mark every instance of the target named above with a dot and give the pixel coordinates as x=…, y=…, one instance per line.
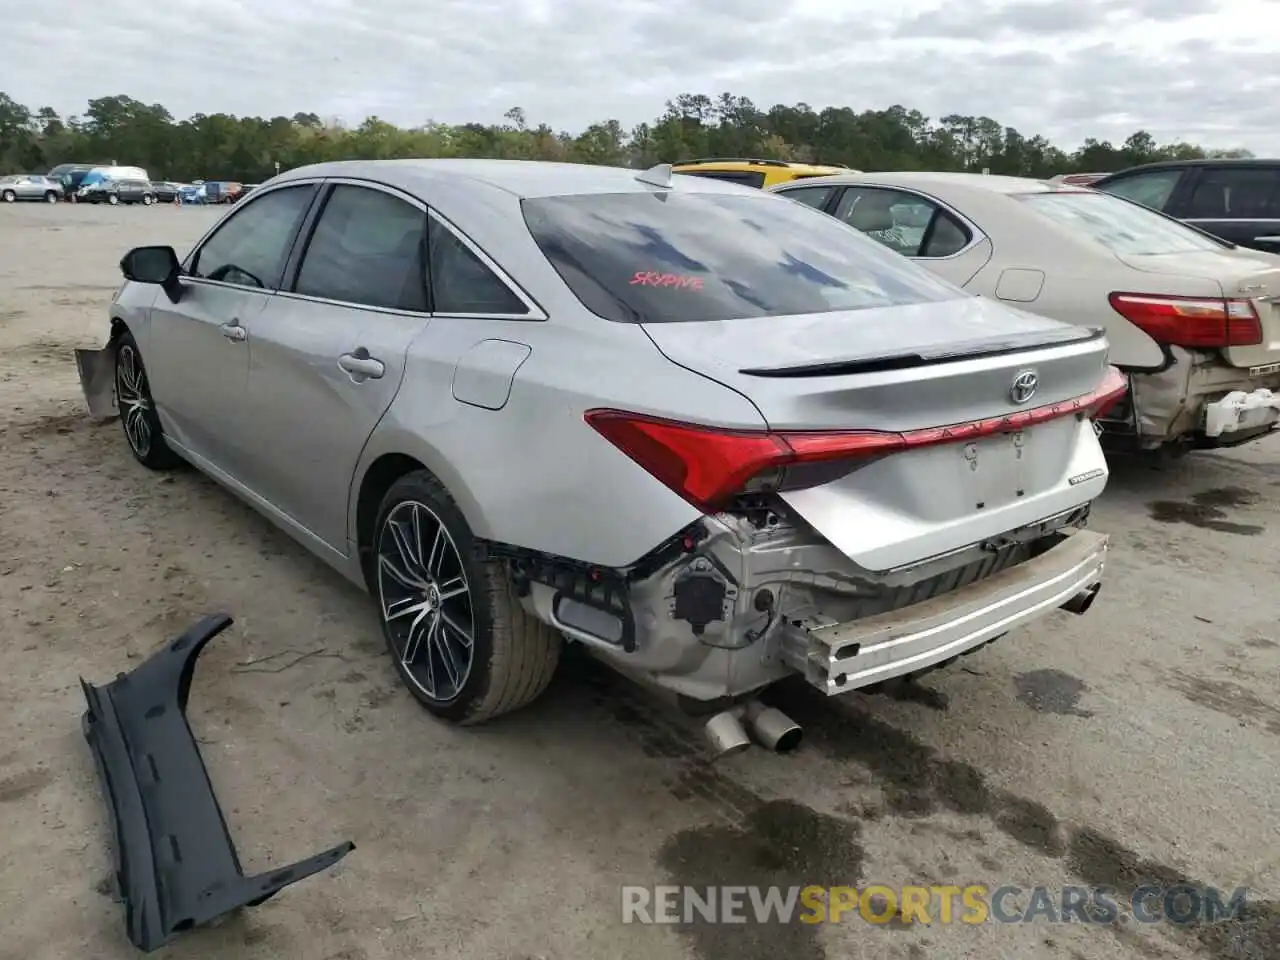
x=732, y=731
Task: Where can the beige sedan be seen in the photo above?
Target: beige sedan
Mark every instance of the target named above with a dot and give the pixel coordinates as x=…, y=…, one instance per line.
x=1194, y=321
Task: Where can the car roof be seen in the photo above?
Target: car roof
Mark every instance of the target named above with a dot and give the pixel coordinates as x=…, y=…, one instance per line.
x=524, y=179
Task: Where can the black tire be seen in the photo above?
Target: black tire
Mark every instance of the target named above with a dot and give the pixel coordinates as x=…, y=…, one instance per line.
x=8, y=196
x=148, y=199
x=113, y=199
x=142, y=430
x=513, y=655
x=51, y=196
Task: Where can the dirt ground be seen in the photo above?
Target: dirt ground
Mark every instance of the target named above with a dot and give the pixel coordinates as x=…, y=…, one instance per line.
x=1136, y=744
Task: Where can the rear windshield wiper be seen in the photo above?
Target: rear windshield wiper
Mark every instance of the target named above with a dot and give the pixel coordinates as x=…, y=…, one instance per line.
x=966, y=350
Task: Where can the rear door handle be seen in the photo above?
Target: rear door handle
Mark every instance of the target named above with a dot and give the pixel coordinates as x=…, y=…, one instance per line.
x=361, y=366
x=233, y=331
x=1266, y=239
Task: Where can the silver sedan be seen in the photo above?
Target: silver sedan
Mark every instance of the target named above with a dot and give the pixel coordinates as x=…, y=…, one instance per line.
x=713, y=436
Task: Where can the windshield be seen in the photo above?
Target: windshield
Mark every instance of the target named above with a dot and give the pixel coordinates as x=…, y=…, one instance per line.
x=1123, y=227
x=668, y=257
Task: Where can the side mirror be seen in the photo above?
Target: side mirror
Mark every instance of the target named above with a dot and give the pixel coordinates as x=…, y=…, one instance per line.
x=157, y=265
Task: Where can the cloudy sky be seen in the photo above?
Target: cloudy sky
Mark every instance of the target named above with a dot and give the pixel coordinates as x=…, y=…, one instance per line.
x=1201, y=70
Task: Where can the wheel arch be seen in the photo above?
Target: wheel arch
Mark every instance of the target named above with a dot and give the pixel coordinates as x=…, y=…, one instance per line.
x=382, y=464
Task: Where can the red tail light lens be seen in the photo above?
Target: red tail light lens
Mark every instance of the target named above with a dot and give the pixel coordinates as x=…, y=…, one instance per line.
x=708, y=466
x=1110, y=392
x=1191, y=321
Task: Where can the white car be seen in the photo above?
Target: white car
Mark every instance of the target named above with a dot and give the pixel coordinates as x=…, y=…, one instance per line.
x=1194, y=321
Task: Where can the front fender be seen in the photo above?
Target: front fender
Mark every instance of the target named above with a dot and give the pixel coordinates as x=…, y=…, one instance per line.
x=97, y=369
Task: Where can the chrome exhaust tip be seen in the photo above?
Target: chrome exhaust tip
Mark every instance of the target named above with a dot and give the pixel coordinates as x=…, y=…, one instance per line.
x=772, y=728
x=725, y=734
x=1083, y=600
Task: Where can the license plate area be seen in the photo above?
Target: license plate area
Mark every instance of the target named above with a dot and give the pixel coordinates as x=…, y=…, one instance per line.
x=992, y=470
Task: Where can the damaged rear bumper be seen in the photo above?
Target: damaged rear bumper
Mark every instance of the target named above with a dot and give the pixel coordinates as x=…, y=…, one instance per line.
x=840, y=657
x=176, y=866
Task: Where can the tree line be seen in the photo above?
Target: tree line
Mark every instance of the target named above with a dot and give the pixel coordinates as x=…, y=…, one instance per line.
x=119, y=129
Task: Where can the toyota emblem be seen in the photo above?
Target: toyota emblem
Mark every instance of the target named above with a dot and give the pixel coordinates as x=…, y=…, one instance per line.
x=1024, y=386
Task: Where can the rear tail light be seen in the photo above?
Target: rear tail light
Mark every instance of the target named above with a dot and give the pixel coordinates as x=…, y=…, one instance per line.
x=1191, y=321
x=708, y=466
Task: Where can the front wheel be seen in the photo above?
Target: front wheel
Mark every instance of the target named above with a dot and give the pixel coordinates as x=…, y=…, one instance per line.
x=148, y=199
x=142, y=427
x=112, y=199
x=8, y=196
x=51, y=197
x=457, y=634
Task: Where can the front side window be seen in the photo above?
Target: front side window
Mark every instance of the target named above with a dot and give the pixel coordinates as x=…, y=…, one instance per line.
x=658, y=257
x=906, y=223
x=1149, y=189
x=1119, y=226
x=462, y=283
x=367, y=248
x=251, y=247
x=1235, y=193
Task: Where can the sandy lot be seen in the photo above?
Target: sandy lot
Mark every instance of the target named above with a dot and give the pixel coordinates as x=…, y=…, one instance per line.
x=1134, y=745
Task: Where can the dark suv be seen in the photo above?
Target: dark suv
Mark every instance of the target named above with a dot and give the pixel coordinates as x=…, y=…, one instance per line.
x=1237, y=200
x=120, y=191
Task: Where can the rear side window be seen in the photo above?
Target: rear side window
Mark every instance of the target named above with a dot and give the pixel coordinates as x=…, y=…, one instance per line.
x=810, y=196
x=1234, y=193
x=906, y=223
x=367, y=249
x=748, y=178
x=669, y=257
x=1120, y=226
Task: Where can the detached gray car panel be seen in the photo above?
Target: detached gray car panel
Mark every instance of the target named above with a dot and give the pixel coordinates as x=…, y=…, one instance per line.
x=685, y=423
x=176, y=864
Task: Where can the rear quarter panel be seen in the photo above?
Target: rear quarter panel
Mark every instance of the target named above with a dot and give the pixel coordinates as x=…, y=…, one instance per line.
x=1078, y=277
x=533, y=474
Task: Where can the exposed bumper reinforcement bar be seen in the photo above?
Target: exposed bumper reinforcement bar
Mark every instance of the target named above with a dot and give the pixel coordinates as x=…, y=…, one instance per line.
x=844, y=656
x=176, y=866
x=1240, y=411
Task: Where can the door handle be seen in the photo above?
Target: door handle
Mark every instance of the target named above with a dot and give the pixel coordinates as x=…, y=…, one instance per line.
x=233, y=331
x=362, y=366
x=1270, y=239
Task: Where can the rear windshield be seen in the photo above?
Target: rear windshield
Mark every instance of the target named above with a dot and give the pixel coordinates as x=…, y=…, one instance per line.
x=670, y=257
x=1119, y=225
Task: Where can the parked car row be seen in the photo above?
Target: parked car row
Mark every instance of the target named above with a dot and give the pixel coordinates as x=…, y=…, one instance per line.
x=1191, y=319
x=713, y=435
x=93, y=183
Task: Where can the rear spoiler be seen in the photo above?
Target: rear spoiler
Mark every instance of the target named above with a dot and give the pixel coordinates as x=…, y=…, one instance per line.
x=966, y=350
x=176, y=867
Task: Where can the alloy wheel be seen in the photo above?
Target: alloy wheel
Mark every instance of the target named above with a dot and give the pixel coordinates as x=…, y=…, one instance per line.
x=133, y=397
x=426, y=601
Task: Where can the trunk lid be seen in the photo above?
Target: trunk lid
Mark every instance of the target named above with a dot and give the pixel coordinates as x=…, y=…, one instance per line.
x=909, y=368
x=1240, y=274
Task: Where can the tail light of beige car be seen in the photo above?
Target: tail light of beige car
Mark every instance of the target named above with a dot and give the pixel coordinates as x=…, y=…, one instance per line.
x=1194, y=322
x=709, y=466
